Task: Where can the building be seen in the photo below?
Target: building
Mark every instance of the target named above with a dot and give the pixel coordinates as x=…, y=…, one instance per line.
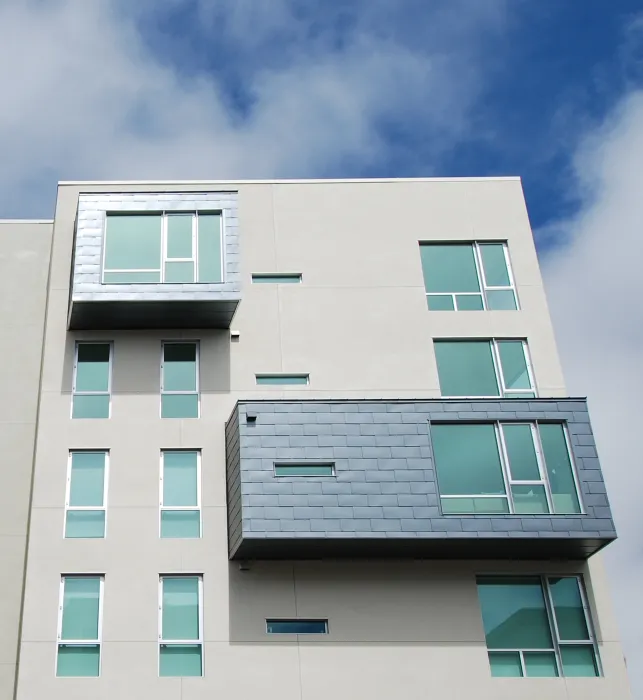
x=295, y=440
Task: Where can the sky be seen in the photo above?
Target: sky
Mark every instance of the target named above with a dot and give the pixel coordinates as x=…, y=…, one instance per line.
x=551, y=90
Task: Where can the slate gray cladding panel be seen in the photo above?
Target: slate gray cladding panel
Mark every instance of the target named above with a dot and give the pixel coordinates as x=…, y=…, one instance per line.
x=127, y=306
x=383, y=499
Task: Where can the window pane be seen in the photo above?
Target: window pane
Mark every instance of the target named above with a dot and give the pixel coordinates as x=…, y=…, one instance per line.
x=579, y=660
x=501, y=300
x=449, y=268
x=180, y=406
x=276, y=279
x=568, y=608
x=133, y=242
x=74, y=661
x=297, y=626
x=514, y=613
x=132, y=277
x=80, y=608
x=179, y=235
x=466, y=368
x=304, y=470
x=88, y=406
x=210, y=248
x=179, y=272
x=521, y=452
x=179, y=367
x=529, y=498
x=87, y=479
x=495, y=265
x=279, y=379
x=469, y=302
x=92, y=368
x=181, y=660
x=180, y=524
x=514, y=364
x=505, y=664
x=474, y=505
x=440, y=302
x=180, y=479
x=540, y=664
x=180, y=617
x=559, y=468
x=85, y=523
x=467, y=459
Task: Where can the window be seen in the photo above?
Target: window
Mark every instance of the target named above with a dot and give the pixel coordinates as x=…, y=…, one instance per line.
x=537, y=626
x=304, y=470
x=86, y=494
x=279, y=379
x=92, y=384
x=80, y=618
x=168, y=247
x=181, y=626
x=276, y=278
x=180, y=494
x=467, y=276
x=484, y=368
x=180, y=380
x=297, y=626
x=521, y=468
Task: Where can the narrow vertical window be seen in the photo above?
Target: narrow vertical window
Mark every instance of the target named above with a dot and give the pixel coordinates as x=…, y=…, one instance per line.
x=180, y=494
x=181, y=626
x=180, y=380
x=91, y=390
x=79, y=626
x=86, y=494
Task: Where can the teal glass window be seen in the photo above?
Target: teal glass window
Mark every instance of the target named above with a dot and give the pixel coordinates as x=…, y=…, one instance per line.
x=501, y=468
x=304, y=470
x=91, y=388
x=163, y=247
x=467, y=276
x=180, y=494
x=181, y=622
x=276, y=278
x=180, y=380
x=281, y=379
x=79, y=626
x=520, y=616
x=85, y=497
x=297, y=626
x=483, y=368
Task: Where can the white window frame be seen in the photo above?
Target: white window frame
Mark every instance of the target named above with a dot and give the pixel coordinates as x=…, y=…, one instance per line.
x=80, y=642
x=164, y=258
x=553, y=627
x=482, y=283
x=509, y=481
x=69, y=508
x=108, y=393
x=197, y=357
x=497, y=367
x=198, y=507
x=190, y=642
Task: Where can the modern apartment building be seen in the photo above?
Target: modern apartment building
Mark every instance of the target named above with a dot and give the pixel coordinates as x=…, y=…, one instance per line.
x=298, y=440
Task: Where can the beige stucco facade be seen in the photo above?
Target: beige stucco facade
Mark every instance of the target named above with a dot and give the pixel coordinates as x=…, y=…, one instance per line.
x=358, y=325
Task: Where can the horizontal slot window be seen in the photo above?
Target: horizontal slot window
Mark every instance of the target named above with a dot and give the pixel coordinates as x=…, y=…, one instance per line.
x=286, y=278
x=305, y=469
x=297, y=626
x=281, y=379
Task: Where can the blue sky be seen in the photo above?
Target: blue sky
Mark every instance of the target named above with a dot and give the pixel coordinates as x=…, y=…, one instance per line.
x=551, y=90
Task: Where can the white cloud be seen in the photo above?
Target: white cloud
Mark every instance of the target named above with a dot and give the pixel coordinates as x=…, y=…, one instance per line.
x=594, y=288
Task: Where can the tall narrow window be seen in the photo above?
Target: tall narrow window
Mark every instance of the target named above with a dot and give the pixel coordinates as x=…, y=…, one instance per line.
x=181, y=626
x=80, y=613
x=86, y=494
x=467, y=276
x=164, y=247
x=180, y=380
x=180, y=494
x=537, y=626
x=484, y=368
x=92, y=381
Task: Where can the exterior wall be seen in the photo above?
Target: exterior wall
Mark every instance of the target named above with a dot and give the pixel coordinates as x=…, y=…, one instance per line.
x=358, y=324
x=24, y=265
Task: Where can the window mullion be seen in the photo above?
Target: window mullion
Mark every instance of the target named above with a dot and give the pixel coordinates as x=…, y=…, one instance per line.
x=535, y=434
x=549, y=605
x=482, y=282
x=195, y=244
x=500, y=376
x=506, y=467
